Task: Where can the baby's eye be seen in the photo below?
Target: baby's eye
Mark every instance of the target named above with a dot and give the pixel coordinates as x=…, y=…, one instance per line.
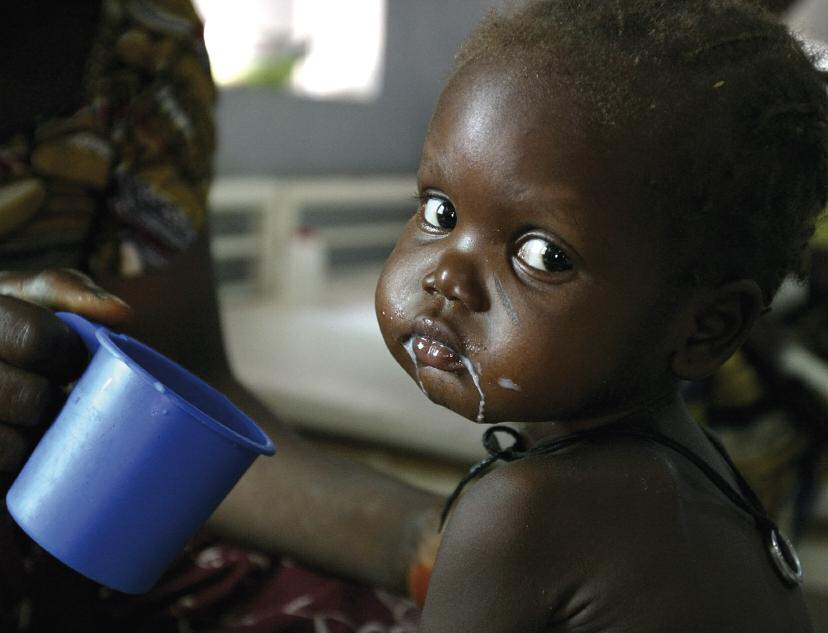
x=542, y=254
x=439, y=213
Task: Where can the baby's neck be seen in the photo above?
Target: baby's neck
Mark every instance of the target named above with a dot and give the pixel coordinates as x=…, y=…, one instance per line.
x=667, y=415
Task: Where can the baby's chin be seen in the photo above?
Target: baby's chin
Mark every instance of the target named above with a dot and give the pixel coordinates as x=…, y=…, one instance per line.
x=445, y=392
x=455, y=391
x=463, y=404
x=471, y=413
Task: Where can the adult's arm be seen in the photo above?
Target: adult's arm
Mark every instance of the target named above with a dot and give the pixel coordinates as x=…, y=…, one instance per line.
x=316, y=506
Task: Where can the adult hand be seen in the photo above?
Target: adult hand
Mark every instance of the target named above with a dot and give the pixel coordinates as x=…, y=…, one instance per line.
x=39, y=353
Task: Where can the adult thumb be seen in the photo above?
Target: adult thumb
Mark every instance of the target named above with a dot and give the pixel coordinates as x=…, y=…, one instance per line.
x=66, y=290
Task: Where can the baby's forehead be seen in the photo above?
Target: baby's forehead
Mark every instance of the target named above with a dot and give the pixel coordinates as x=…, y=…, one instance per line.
x=489, y=116
x=487, y=111
x=508, y=85
x=511, y=102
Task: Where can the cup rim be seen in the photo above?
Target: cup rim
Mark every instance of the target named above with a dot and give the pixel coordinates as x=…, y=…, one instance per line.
x=265, y=447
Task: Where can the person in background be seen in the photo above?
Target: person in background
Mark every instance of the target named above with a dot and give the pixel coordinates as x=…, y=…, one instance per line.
x=106, y=145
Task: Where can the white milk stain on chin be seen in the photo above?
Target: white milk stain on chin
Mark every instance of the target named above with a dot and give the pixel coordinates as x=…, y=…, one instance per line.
x=508, y=383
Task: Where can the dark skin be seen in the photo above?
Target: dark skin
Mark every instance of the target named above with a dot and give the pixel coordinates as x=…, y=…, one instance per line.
x=528, y=261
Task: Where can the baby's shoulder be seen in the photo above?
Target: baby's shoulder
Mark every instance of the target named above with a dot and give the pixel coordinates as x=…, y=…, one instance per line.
x=585, y=533
x=536, y=531
x=611, y=503
x=604, y=478
x=555, y=505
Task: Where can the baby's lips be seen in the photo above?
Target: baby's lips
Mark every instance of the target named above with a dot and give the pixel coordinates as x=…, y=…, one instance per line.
x=435, y=354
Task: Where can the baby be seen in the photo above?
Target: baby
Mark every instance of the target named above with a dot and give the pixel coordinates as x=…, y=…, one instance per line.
x=610, y=193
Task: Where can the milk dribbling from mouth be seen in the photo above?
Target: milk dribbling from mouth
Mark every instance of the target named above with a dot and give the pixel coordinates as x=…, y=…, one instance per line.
x=409, y=347
x=475, y=376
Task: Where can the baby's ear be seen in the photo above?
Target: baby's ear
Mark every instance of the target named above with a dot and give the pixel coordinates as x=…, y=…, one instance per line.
x=716, y=322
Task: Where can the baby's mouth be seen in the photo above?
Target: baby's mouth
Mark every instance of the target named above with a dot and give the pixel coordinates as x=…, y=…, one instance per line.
x=434, y=344
x=435, y=354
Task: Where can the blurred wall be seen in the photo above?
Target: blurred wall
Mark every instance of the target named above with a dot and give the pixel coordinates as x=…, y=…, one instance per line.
x=810, y=17
x=271, y=132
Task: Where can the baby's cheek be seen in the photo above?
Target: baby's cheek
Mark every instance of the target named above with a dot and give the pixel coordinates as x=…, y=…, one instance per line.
x=397, y=282
x=392, y=318
x=384, y=296
x=392, y=325
x=507, y=397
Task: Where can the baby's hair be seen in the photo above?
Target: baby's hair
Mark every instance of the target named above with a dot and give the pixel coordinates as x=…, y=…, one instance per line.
x=728, y=111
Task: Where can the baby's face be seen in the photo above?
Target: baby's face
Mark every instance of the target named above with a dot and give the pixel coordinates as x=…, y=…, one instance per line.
x=524, y=288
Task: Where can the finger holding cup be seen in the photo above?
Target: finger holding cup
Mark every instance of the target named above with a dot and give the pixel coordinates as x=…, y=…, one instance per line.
x=39, y=354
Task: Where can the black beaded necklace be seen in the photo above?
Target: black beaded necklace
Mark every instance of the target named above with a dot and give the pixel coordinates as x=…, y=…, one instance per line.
x=781, y=550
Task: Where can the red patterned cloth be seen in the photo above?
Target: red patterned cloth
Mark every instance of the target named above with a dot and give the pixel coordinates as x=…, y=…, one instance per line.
x=214, y=587
x=224, y=588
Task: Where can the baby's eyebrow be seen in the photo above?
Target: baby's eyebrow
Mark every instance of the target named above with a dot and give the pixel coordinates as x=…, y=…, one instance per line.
x=433, y=164
x=558, y=199
x=557, y=191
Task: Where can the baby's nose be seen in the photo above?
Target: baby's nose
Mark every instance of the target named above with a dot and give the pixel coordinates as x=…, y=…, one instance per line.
x=458, y=279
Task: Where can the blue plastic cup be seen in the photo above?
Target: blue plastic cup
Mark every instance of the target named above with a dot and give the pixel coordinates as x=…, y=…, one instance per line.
x=140, y=456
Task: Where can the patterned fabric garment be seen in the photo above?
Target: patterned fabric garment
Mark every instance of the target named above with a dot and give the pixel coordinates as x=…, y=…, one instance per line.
x=214, y=587
x=223, y=588
x=129, y=171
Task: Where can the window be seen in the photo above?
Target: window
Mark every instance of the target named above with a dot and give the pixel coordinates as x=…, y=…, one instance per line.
x=326, y=49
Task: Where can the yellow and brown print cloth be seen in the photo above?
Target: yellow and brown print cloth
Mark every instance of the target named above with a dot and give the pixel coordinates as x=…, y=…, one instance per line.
x=121, y=184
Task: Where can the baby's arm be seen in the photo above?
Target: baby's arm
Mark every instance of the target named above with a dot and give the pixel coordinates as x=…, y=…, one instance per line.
x=488, y=577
